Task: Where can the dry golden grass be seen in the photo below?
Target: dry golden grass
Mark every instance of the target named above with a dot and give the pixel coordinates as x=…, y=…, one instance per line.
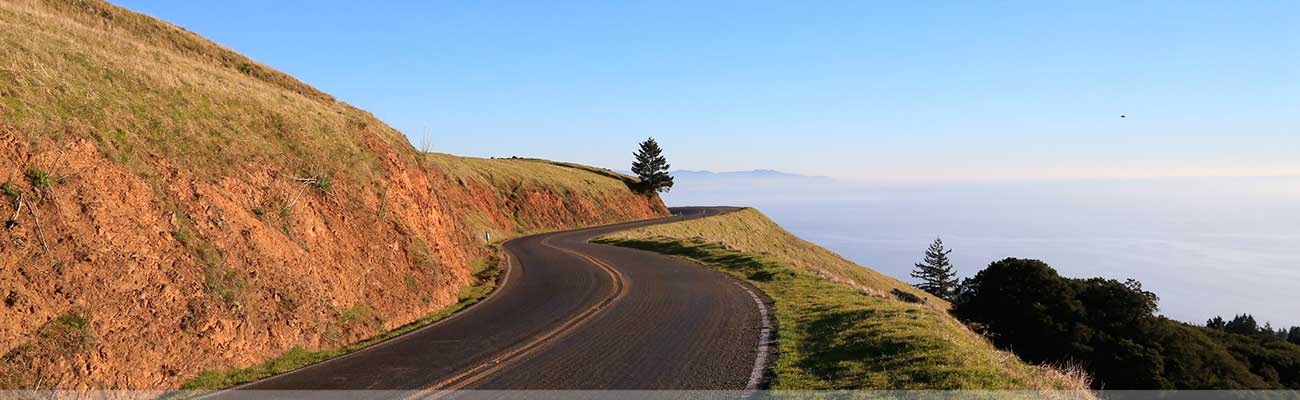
x=150, y=92
x=749, y=231
x=509, y=173
x=840, y=325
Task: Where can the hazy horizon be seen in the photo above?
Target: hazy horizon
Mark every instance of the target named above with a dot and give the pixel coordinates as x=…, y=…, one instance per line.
x=1207, y=246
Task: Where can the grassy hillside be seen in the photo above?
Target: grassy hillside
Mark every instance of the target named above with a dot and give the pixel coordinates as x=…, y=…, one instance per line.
x=173, y=207
x=841, y=325
x=144, y=90
x=573, y=194
x=749, y=231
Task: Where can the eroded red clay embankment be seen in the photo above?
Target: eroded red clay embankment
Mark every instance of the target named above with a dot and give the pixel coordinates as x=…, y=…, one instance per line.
x=171, y=206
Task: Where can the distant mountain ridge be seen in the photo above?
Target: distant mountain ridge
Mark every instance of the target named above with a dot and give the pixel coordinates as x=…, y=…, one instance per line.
x=754, y=173
x=748, y=174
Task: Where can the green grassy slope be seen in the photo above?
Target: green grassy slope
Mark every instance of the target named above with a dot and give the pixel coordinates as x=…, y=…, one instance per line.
x=840, y=325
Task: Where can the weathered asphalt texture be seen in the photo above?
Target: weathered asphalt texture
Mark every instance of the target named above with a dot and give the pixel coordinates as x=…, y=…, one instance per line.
x=569, y=315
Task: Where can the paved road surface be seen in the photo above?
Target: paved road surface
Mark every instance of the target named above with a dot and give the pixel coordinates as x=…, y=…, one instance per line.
x=571, y=315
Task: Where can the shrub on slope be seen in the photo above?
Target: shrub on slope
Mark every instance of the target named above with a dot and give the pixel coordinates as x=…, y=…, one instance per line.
x=1111, y=329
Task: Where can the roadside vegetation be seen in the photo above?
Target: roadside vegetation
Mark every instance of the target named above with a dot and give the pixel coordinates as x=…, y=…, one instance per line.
x=514, y=174
x=1111, y=329
x=840, y=325
x=486, y=271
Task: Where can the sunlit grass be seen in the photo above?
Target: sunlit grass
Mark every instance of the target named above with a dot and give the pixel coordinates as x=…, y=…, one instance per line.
x=145, y=91
x=843, y=335
x=510, y=174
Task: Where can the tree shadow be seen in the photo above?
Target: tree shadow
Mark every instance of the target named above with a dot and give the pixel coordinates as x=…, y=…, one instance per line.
x=836, y=346
x=631, y=182
x=907, y=297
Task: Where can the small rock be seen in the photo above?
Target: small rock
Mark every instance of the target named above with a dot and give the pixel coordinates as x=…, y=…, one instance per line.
x=12, y=299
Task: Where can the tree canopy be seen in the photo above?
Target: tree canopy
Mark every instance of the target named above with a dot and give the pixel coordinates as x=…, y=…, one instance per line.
x=652, y=168
x=1110, y=328
x=936, y=272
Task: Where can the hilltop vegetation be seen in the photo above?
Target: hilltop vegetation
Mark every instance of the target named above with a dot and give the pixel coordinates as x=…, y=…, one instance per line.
x=841, y=325
x=1111, y=329
x=194, y=209
x=573, y=194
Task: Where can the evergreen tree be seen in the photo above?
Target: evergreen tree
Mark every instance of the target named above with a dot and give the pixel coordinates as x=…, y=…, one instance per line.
x=652, y=168
x=1216, y=323
x=937, y=275
x=1243, y=325
x=1293, y=335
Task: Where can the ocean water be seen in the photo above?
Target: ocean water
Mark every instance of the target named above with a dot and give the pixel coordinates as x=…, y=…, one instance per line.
x=1206, y=246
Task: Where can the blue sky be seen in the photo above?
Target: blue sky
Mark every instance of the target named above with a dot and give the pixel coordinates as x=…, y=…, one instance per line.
x=909, y=91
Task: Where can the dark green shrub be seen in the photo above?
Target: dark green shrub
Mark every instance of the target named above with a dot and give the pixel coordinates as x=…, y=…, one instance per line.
x=1110, y=328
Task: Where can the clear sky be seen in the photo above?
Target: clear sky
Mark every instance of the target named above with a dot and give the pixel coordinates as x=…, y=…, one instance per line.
x=854, y=90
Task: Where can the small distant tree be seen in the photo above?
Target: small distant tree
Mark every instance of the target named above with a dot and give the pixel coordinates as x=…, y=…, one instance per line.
x=1243, y=324
x=1216, y=323
x=937, y=275
x=651, y=166
x=1293, y=335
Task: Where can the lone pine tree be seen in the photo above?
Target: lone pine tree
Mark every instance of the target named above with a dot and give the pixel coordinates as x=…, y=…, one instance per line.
x=652, y=168
x=936, y=273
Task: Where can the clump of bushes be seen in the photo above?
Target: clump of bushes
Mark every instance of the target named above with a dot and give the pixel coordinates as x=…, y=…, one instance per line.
x=1111, y=329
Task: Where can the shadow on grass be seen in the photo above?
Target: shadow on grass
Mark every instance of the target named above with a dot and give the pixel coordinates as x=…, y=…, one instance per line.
x=835, y=336
x=632, y=183
x=907, y=297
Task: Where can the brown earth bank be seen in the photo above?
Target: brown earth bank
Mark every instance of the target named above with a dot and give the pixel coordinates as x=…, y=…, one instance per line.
x=172, y=207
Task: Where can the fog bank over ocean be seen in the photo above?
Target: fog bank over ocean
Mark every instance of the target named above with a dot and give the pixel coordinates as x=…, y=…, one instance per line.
x=1206, y=246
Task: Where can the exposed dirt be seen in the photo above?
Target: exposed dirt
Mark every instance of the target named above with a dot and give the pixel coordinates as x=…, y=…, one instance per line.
x=112, y=280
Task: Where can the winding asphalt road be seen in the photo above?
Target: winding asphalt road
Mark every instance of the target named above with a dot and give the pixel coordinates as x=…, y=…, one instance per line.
x=572, y=315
